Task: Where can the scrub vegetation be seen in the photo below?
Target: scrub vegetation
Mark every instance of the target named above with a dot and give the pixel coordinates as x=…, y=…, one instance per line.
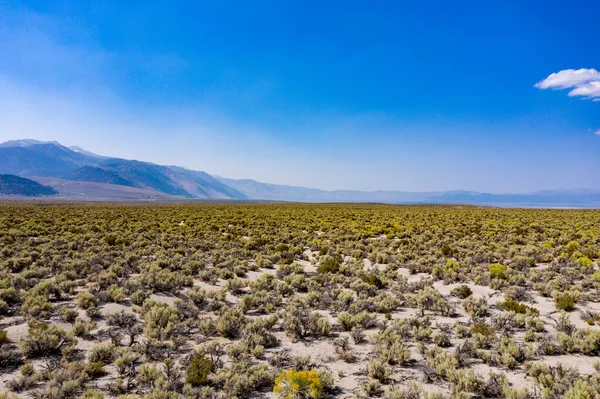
x=218, y=301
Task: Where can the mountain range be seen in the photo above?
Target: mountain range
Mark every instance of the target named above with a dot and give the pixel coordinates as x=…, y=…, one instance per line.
x=72, y=172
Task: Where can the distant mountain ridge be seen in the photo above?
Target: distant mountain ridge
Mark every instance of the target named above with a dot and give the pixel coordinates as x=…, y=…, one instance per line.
x=75, y=172
x=25, y=143
x=554, y=198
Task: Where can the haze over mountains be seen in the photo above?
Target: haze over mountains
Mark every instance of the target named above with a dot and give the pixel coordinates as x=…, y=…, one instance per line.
x=72, y=172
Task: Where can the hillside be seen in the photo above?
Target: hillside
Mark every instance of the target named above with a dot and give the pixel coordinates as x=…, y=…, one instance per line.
x=14, y=185
x=31, y=158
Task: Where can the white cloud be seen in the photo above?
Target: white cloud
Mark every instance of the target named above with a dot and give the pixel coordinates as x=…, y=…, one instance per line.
x=597, y=132
x=584, y=82
x=568, y=78
x=590, y=90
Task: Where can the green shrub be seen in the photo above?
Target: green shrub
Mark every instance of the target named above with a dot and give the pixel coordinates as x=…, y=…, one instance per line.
x=91, y=394
x=589, y=341
x=36, y=306
x=27, y=370
x=446, y=250
x=138, y=297
x=431, y=299
x=242, y=378
x=69, y=315
x=3, y=307
x=373, y=280
x=581, y=390
x=442, y=339
x=83, y=328
x=3, y=338
x=443, y=363
x=197, y=372
x=346, y=321
x=104, y=353
x=86, y=300
x=328, y=264
x=117, y=294
x=517, y=307
x=585, y=262
x=483, y=329
x=510, y=353
x=390, y=348
x=378, y=370
x=45, y=340
x=161, y=320
x=462, y=291
x=95, y=369
x=571, y=247
x=475, y=308
x=565, y=301
x=327, y=379
x=230, y=324
x=447, y=272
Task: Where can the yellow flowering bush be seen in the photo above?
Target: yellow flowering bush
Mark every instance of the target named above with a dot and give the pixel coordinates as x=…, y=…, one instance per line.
x=293, y=384
x=497, y=270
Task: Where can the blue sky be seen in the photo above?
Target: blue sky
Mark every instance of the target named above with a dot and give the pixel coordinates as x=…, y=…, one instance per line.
x=415, y=96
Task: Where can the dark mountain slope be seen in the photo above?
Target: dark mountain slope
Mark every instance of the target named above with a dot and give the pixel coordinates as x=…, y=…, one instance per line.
x=146, y=175
x=15, y=185
x=171, y=180
x=98, y=175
